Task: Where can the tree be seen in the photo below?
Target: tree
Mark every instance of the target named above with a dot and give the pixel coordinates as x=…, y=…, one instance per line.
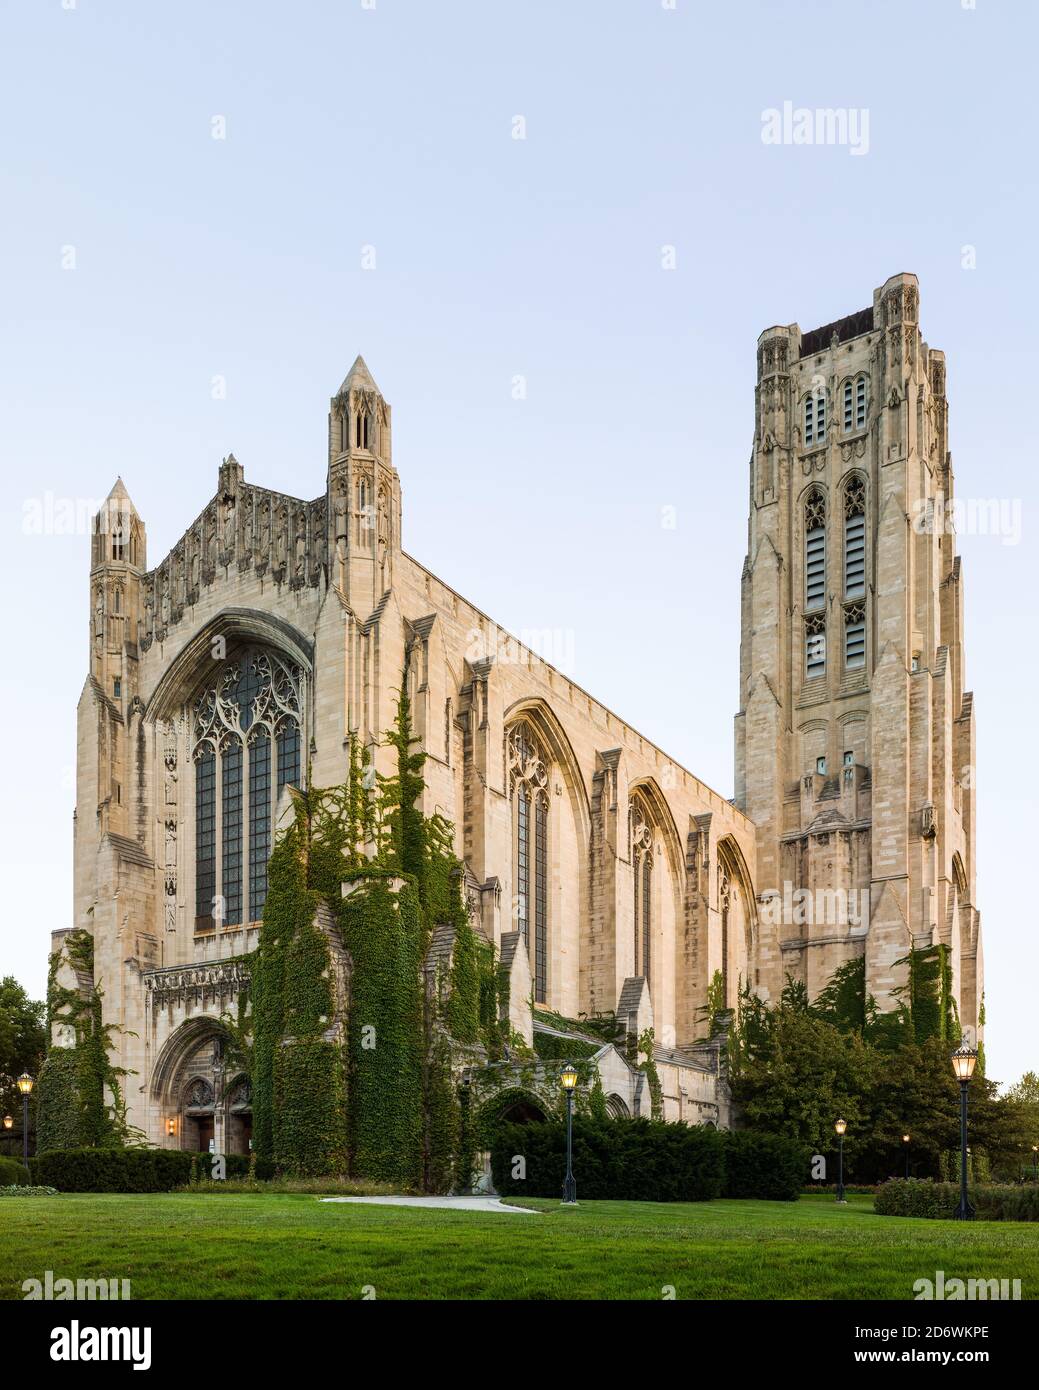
x=23, y=1042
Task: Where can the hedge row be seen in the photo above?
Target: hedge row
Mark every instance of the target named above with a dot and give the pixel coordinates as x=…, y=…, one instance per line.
x=112, y=1170
x=765, y=1166
x=12, y=1173
x=646, y=1160
x=127, y=1170
x=939, y=1200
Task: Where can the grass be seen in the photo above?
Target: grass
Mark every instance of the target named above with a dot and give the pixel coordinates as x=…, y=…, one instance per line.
x=203, y=1246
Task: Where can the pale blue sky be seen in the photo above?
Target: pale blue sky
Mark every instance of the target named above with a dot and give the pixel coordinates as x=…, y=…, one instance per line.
x=392, y=127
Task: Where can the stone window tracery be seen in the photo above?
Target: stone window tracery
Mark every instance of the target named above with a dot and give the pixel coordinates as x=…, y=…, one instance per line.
x=528, y=792
x=255, y=706
x=815, y=550
x=641, y=852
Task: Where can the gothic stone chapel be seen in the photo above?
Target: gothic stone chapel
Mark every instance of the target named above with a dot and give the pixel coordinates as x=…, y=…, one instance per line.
x=611, y=883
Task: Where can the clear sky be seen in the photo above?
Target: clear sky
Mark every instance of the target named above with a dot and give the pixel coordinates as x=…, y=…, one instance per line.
x=141, y=258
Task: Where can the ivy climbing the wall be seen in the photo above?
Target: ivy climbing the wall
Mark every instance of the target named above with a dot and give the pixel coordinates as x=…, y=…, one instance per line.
x=80, y=1093
x=371, y=1091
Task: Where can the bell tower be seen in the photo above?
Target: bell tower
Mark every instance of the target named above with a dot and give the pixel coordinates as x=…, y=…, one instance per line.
x=364, y=502
x=855, y=737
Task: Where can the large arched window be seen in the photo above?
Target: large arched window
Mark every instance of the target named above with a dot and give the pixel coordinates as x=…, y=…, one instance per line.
x=641, y=833
x=528, y=792
x=245, y=725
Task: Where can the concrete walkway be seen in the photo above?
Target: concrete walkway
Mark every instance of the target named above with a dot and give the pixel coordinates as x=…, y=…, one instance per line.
x=452, y=1203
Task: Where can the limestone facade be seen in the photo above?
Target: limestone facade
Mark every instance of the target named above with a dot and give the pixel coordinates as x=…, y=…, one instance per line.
x=278, y=626
x=855, y=735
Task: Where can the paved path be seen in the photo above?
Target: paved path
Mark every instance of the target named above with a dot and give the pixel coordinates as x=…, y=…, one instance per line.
x=454, y=1203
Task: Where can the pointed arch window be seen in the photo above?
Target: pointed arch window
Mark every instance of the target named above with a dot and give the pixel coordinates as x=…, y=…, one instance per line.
x=641, y=836
x=528, y=790
x=815, y=646
x=854, y=636
x=855, y=538
x=815, y=418
x=854, y=398
x=815, y=551
x=250, y=715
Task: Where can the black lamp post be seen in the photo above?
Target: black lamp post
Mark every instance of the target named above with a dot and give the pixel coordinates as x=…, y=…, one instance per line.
x=905, y=1141
x=568, y=1078
x=964, y=1060
x=8, y=1122
x=840, y=1127
x=1035, y=1162
x=25, y=1086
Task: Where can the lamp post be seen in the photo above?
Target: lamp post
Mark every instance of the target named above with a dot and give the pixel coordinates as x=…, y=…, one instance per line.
x=840, y=1127
x=964, y=1060
x=1035, y=1162
x=568, y=1078
x=905, y=1141
x=25, y=1086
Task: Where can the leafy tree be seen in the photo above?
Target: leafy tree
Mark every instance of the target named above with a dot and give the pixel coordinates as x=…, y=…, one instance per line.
x=23, y=1042
x=23, y=1039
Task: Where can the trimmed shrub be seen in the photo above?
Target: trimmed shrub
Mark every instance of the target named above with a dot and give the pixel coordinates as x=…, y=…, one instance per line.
x=112, y=1170
x=13, y=1173
x=1019, y=1203
x=28, y=1191
x=915, y=1197
x=235, y=1166
x=770, y=1167
x=632, y=1160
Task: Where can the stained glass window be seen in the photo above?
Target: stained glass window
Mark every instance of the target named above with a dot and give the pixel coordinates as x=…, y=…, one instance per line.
x=540, y=900
x=288, y=756
x=205, y=838
x=259, y=822
x=522, y=861
x=231, y=831
x=256, y=699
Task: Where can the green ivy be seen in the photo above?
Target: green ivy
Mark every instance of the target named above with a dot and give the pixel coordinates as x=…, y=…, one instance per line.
x=80, y=1096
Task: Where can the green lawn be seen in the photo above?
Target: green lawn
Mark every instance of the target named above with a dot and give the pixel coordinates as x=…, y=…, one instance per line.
x=188, y=1246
